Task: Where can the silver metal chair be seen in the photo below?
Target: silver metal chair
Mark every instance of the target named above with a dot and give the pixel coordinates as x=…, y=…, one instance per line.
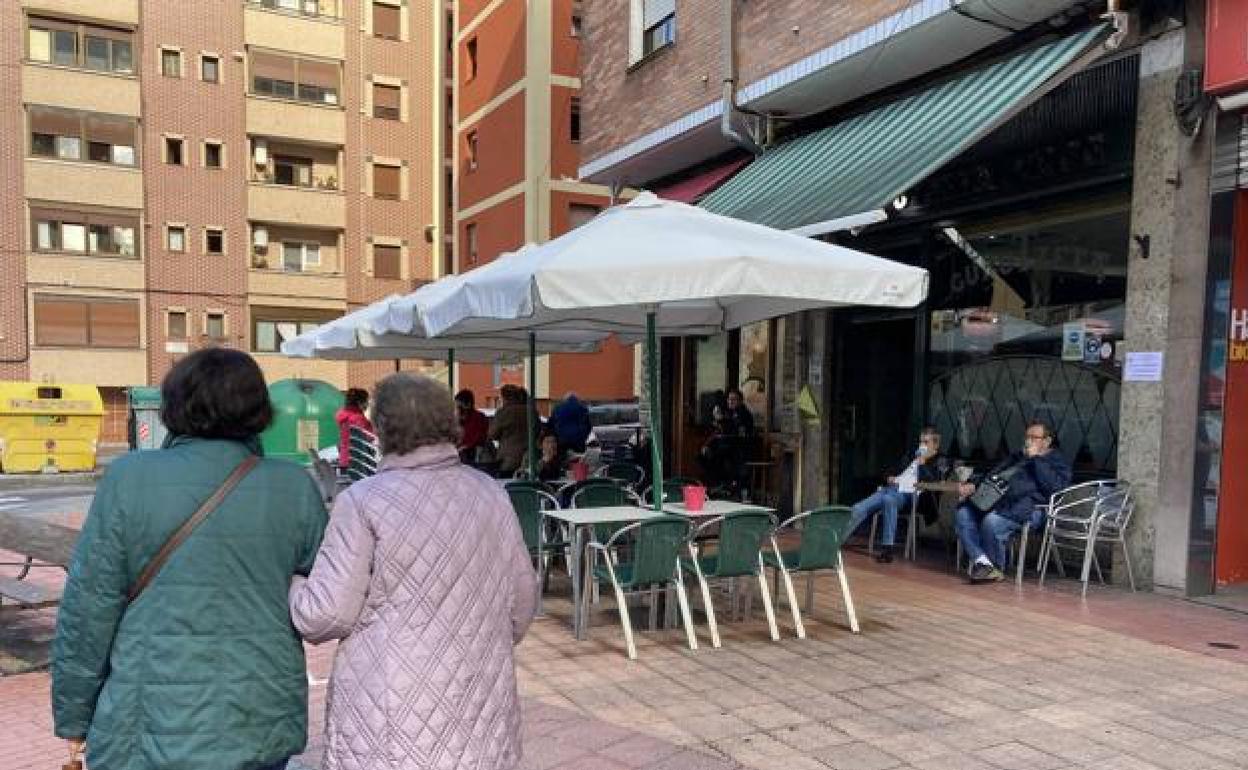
x=1079, y=517
x=1017, y=545
x=912, y=538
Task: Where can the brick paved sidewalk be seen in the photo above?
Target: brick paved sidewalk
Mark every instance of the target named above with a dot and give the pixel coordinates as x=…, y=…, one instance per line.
x=943, y=676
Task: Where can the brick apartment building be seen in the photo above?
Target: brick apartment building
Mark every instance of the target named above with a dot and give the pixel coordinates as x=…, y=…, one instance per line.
x=178, y=175
x=515, y=139
x=1048, y=161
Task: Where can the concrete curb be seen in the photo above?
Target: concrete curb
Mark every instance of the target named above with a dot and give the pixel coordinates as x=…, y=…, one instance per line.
x=17, y=481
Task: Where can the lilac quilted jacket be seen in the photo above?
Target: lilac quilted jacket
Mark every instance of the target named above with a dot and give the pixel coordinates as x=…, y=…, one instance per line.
x=424, y=576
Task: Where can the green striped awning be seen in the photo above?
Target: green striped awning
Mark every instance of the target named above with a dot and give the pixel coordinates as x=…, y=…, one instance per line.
x=866, y=161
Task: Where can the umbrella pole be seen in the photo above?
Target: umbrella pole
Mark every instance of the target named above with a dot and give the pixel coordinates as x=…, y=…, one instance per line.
x=450, y=370
x=398, y=365
x=532, y=405
x=656, y=424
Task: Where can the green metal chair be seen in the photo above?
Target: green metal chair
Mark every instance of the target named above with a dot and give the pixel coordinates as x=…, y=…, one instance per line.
x=628, y=474
x=606, y=493
x=823, y=534
x=655, y=546
x=739, y=553
x=531, y=504
x=673, y=489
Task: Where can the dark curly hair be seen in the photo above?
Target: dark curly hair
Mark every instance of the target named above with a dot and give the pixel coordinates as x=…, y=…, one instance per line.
x=215, y=393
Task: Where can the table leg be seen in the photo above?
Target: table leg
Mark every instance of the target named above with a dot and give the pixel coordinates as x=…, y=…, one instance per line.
x=574, y=566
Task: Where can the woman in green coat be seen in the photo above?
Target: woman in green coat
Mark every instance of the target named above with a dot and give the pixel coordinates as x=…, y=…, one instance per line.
x=202, y=670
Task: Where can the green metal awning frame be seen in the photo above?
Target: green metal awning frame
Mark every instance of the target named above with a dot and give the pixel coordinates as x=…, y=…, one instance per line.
x=865, y=162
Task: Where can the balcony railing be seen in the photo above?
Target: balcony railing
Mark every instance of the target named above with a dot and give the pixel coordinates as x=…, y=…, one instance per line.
x=320, y=9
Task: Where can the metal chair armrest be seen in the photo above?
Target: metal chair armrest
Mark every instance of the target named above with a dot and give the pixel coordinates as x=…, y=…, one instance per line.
x=693, y=535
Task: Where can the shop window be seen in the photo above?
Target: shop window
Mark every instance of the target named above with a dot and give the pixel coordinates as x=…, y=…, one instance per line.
x=176, y=324
x=210, y=69
x=173, y=150
x=82, y=136
x=387, y=20
x=171, y=62
x=387, y=261
x=387, y=102
x=83, y=46
x=470, y=242
x=574, y=119
x=214, y=241
x=214, y=155
x=96, y=233
x=70, y=321
x=175, y=238
x=387, y=181
x=214, y=326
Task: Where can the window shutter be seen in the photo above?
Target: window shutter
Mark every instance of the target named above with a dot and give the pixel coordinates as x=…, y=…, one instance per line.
x=387, y=262
x=386, y=20
x=386, y=181
x=60, y=321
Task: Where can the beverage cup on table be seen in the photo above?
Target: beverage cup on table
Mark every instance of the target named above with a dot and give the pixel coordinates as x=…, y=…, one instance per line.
x=695, y=497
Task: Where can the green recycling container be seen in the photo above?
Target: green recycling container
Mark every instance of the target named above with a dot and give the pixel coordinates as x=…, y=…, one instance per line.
x=303, y=419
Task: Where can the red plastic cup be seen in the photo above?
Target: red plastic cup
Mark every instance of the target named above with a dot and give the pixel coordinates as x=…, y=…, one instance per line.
x=580, y=471
x=695, y=497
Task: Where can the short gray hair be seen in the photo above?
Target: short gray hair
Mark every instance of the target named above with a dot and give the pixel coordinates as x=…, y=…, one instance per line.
x=412, y=411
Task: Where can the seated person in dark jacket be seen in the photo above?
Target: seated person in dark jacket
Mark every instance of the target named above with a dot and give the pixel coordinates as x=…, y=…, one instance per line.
x=1039, y=471
x=570, y=422
x=724, y=456
x=550, y=460
x=927, y=465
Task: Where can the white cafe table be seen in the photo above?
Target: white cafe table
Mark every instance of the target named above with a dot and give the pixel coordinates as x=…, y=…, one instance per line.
x=582, y=521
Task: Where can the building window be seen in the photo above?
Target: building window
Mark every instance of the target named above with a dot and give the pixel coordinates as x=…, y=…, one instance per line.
x=82, y=136
x=574, y=119
x=387, y=261
x=214, y=326
x=210, y=69
x=272, y=326
x=387, y=182
x=83, y=46
x=657, y=29
x=576, y=25
x=78, y=232
x=70, y=321
x=470, y=242
x=175, y=322
x=175, y=238
x=387, y=102
x=473, y=146
x=214, y=240
x=292, y=172
x=470, y=66
x=290, y=77
x=304, y=7
x=387, y=20
x=300, y=257
x=171, y=62
x=580, y=213
x=173, y=150
x=214, y=155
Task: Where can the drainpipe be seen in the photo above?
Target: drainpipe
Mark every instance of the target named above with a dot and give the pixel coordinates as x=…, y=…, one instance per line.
x=728, y=29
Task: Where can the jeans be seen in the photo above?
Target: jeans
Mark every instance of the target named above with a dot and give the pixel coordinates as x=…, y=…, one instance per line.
x=984, y=534
x=886, y=500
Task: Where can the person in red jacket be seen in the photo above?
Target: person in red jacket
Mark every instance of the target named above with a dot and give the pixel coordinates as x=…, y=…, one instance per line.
x=351, y=415
x=473, y=426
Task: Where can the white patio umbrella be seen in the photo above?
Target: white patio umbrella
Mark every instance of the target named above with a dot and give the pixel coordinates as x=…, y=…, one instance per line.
x=358, y=336
x=660, y=267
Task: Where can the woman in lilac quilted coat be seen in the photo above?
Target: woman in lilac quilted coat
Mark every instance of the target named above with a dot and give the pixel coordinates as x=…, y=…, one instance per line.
x=424, y=576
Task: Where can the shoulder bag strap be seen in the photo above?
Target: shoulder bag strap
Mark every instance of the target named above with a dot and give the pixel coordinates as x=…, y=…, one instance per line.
x=183, y=532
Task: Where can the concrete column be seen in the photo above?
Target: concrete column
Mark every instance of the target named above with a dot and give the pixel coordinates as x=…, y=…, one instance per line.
x=1165, y=307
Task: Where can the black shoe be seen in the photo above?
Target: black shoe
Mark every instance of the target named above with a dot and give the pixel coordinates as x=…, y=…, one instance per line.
x=885, y=556
x=985, y=573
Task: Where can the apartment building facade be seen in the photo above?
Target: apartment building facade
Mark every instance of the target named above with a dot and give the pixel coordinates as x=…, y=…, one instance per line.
x=225, y=173
x=515, y=149
x=1047, y=161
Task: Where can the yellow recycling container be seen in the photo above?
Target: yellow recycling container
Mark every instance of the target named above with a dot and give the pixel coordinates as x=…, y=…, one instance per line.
x=49, y=428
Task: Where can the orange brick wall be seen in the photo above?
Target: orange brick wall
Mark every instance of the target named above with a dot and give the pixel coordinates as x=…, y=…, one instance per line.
x=500, y=56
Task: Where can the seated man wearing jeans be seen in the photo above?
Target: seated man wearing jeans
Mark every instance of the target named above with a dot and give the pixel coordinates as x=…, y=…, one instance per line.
x=1038, y=472
x=898, y=491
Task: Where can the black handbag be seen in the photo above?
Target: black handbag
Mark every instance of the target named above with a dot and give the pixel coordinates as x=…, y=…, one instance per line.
x=992, y=489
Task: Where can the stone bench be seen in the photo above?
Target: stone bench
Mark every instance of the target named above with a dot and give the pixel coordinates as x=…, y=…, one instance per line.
x=41, y=543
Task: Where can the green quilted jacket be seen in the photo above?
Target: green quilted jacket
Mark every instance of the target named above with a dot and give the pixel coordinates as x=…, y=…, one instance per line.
x=204, y=671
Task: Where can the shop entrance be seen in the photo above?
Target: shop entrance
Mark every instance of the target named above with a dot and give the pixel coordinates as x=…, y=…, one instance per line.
x=875, y=397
